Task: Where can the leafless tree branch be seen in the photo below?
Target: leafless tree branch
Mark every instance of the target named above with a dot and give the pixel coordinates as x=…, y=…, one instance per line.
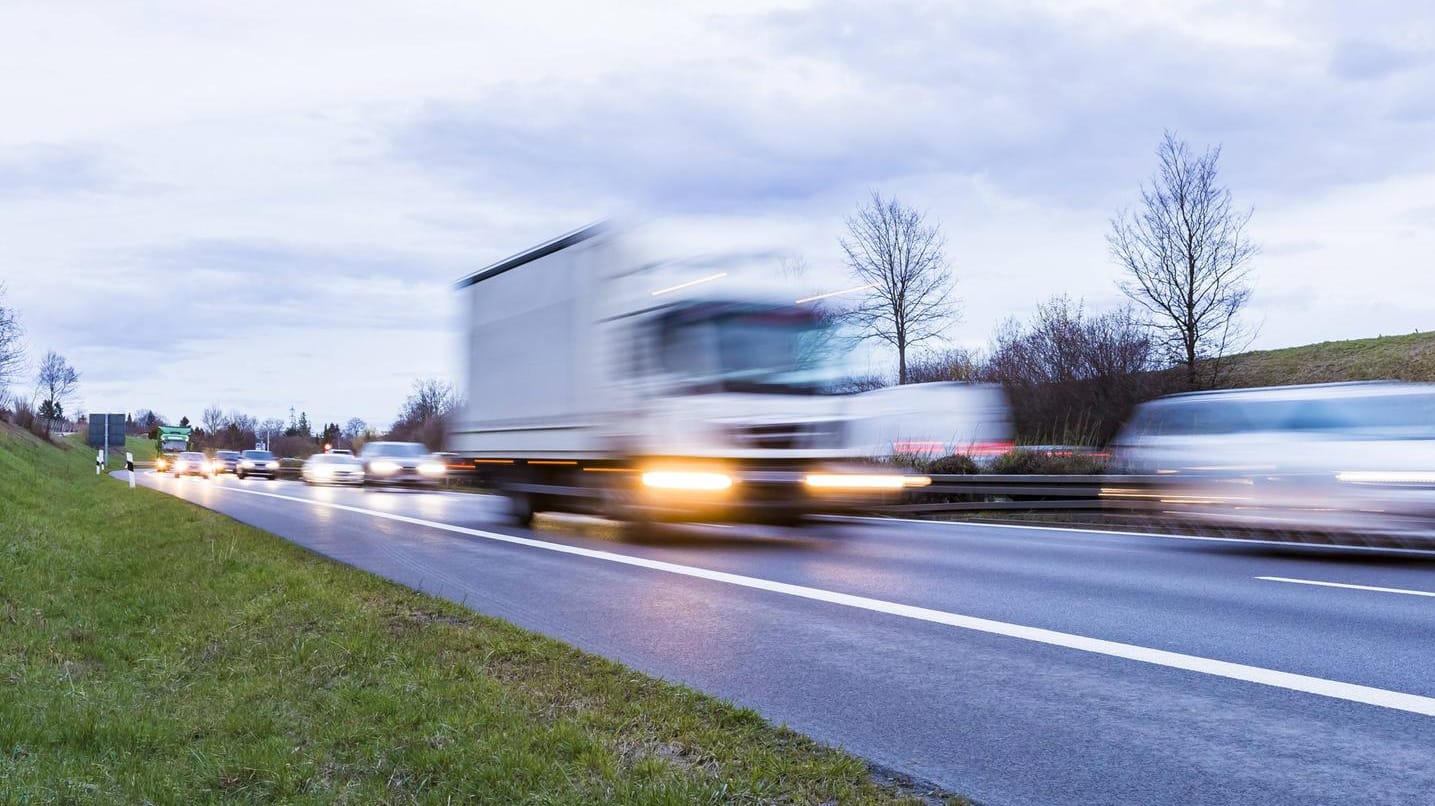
x=901, y=258
x=1187, y=258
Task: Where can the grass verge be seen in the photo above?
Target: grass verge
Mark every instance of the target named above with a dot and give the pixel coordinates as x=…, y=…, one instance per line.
x=151, y=650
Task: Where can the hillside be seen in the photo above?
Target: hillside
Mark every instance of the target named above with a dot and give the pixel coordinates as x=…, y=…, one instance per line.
x=1409, y=357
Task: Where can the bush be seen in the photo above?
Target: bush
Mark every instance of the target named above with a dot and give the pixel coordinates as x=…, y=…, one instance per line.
x=25, y=418
x=955, y=465
x=1022, y=462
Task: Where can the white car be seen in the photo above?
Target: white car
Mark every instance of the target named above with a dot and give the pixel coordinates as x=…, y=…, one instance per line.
x=930, y=420
x=1353, y=457
x=332, y=468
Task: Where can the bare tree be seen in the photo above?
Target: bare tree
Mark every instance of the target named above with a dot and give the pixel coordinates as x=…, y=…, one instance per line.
x=212, y=419
x=1187, y=257
x=271, y=428
x=56, y=383
x=12, y=350
x=355, y=428
x=901, y=258
x=425, y=413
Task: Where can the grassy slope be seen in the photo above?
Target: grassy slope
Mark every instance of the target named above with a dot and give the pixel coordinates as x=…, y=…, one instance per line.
x=1410, y=357
x=150, y=649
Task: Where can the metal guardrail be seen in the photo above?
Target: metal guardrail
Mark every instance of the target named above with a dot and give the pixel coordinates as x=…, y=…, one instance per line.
x=999, y=492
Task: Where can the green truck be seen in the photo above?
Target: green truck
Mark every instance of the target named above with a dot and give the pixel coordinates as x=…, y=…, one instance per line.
x=171, y=441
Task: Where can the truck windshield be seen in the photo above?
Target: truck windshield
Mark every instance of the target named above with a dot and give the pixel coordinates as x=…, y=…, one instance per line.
x=173, y=446
x=777, y=351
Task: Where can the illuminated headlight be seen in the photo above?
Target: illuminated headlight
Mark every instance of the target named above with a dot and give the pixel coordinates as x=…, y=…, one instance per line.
x=686, y=480
x=322, y=471
x=432, y=468
x=272, y=465
x=181, y=464
x=384, y=467
x=864, y=481
x=247, y=463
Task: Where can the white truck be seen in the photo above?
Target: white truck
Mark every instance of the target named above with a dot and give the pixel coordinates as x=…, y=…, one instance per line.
x=602, y=382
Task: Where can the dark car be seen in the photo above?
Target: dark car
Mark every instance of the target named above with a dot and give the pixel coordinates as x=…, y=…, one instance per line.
x=407, y=463
x=191, y=463
x=257, y=463
x=226, y=462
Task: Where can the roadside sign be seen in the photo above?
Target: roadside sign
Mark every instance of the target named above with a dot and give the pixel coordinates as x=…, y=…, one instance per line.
x=106, y=431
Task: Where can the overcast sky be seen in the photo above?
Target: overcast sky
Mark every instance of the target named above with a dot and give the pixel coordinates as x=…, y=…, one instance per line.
x=265, y=204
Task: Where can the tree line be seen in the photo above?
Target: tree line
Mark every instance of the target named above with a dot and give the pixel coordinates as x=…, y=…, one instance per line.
x=1072, y=375
x=422, y=418
x=56, y=381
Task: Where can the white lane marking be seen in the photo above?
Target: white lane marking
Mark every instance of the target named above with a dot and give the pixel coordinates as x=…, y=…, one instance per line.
x=1245, y=541
x=1375, y=588
x=1400, y=701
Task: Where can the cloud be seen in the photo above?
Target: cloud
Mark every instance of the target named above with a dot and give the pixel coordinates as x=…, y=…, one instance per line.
x=1364, y=60
x=27, y=172
x=296, y=199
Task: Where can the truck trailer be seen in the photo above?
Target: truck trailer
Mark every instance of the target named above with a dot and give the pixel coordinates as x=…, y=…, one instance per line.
x=602, y=381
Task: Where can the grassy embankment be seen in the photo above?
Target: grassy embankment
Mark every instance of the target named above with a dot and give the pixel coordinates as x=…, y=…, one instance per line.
x=152, y=650
x=1409, y=357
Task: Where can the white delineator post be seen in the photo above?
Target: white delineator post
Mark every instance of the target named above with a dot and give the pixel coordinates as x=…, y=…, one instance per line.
x=99, y=461
x=130, y=466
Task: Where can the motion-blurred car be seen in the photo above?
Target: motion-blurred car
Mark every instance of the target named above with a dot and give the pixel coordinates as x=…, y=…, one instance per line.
x=931, y=420
x=1346, y=458
x=408, y=463
x=257, y=463
x=226, y=462
x=192, y=463
x=332, y=468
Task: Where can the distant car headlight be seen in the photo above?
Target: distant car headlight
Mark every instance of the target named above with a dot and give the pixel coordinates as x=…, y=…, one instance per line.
x=181, y=464
x=247, y=463
x=322, y=471
x=384, y=467
x=432, y=468
x=272, y=465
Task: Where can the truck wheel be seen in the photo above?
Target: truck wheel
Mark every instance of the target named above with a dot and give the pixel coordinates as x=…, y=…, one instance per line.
x=635, y=524
x=520, y=509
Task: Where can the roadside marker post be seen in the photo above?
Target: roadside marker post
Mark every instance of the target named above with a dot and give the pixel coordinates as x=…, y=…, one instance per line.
x=130, y=466
x=99, y=461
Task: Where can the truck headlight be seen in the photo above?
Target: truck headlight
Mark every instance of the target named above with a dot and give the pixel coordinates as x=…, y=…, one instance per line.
x=384, y=467
x=432, y=468
x=686, y=480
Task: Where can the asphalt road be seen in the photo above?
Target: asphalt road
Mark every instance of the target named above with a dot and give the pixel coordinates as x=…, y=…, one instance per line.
x=1010, y=665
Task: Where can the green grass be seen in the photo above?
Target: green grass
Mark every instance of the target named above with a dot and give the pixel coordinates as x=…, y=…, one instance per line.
x=141, y=447
x=154, y=651
x=1409, y=357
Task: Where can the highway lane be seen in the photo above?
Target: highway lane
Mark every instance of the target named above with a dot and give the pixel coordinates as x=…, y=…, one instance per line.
x=999, y=718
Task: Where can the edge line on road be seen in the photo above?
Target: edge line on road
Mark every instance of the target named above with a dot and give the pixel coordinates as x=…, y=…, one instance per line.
x=1238, y=541
x=1350, y=586
x=1334, y=689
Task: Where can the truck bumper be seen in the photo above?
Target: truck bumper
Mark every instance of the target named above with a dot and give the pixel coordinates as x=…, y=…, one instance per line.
x=756, y=495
